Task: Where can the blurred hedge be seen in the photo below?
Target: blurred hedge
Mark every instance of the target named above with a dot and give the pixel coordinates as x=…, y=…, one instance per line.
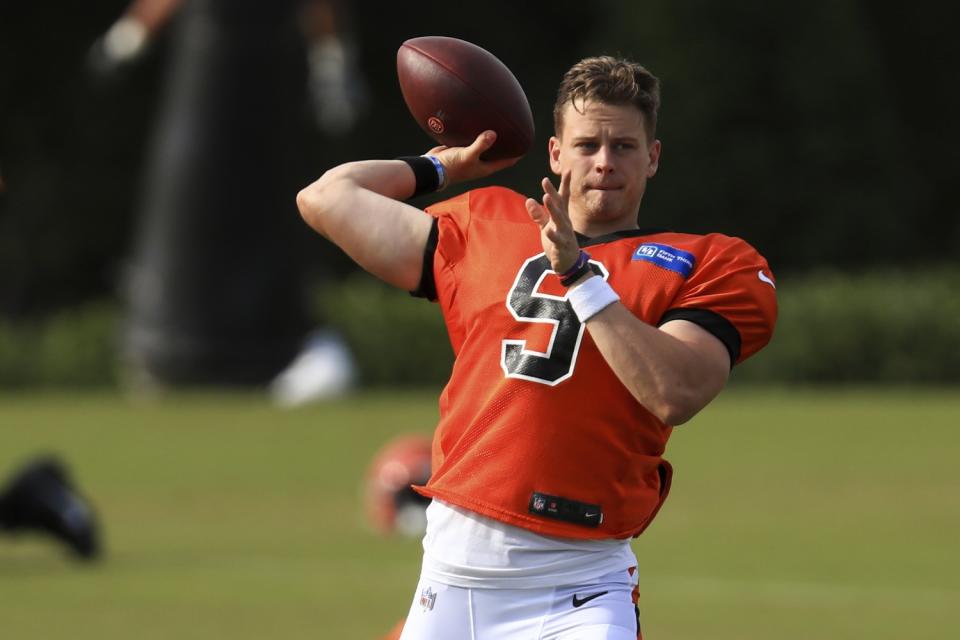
x=887, y=327
x=883, y=327
x=72, y=348
x=396, y=339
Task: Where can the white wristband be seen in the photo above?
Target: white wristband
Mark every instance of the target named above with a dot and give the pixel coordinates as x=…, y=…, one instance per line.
x=591, y=297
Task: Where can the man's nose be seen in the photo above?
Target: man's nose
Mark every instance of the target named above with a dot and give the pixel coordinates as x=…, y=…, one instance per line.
x=603, y=160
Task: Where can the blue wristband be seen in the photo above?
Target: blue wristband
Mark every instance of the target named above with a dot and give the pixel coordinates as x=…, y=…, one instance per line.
x=441, y=172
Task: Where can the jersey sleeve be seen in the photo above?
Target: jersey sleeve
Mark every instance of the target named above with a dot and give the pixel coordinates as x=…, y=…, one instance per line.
x=732, y=294
x=445, y=246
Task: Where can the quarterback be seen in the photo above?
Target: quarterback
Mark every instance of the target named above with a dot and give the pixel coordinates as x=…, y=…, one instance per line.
x=581, y=340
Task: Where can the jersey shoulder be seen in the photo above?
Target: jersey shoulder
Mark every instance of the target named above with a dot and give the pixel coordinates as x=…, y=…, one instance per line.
x=485, y=203
x=705, y=245
x=732, y=279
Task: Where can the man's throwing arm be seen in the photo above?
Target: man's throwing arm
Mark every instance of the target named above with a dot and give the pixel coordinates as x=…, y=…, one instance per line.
x=358, y=206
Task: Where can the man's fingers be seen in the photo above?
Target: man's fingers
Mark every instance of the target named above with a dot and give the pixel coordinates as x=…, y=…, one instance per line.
x=556, y=207
x=464, y=163
x=565, y=188
x=537, y=213
x=548, y=187
x=550, y=197
x=553, y=235
x=483, y=142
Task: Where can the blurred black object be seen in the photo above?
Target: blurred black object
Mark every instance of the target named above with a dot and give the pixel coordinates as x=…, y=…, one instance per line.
x=41, y=497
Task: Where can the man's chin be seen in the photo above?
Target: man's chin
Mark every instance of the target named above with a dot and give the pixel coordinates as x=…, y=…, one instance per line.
x=604, y=205
x=605, y=214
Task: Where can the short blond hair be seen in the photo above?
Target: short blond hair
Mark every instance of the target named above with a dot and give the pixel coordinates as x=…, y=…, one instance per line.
x=614, y=81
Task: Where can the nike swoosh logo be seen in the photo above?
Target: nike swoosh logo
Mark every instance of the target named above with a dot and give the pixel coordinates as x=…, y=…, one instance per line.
x=765, y=278
x=579, y=602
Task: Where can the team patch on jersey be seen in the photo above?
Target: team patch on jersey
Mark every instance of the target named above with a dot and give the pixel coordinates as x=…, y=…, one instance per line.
x=665, y=256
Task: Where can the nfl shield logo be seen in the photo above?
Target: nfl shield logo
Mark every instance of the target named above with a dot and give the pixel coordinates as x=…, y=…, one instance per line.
x=427, y=599
x=539, y=503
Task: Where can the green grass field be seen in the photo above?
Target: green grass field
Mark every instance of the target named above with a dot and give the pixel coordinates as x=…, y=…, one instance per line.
x=793, y=515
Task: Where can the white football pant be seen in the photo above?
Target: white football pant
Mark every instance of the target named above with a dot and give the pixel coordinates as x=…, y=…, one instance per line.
x=601, y=610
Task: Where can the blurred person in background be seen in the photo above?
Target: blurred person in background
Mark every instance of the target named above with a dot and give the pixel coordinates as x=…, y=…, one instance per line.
x=216, y=290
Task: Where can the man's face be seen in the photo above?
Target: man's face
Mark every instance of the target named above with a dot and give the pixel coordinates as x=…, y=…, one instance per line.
x=605, y=149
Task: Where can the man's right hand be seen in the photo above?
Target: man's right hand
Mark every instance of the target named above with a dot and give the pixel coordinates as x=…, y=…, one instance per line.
x=463, y=163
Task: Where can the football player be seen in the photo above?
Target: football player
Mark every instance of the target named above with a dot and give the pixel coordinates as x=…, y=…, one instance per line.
x=581, y=340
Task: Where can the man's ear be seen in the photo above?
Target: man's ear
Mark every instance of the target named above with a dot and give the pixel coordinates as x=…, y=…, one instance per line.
x=553, y=147
x=654, y=151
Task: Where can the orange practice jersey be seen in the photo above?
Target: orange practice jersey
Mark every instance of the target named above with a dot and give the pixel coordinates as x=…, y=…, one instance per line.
x=535, y=428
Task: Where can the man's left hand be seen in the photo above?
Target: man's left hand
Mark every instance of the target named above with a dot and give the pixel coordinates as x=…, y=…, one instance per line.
x=556, y=231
